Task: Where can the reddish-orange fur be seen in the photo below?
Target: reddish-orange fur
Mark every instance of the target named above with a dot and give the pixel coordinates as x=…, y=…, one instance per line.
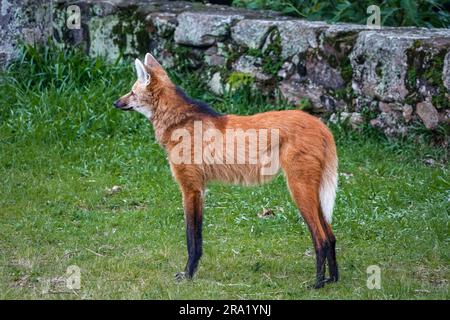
x=307, y=154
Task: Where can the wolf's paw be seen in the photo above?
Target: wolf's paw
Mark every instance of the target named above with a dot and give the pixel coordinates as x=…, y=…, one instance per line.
x=180, y=276
x=331, y=279
x=319, y=284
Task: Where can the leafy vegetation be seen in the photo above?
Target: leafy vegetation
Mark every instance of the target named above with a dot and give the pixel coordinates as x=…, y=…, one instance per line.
x=63, y=147
x=421, y=13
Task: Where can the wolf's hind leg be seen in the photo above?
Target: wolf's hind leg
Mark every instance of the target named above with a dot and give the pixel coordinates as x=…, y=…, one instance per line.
x=304, y=192
x=331, y=254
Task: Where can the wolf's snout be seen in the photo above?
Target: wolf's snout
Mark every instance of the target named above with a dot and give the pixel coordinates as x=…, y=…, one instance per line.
x=119, y=104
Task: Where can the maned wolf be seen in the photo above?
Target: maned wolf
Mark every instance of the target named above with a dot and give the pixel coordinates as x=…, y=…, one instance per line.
x=239, y=149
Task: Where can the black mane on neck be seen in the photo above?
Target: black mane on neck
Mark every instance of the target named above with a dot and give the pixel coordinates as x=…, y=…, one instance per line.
x=201, y=106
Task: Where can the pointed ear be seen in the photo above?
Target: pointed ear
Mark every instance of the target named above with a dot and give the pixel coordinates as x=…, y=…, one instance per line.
x=150, y=61
x=141, y=72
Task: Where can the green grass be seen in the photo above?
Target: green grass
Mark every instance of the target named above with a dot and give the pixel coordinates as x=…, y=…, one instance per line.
x=62, y=146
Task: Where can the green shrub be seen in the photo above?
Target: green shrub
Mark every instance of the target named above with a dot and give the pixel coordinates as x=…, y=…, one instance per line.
x=421, y=13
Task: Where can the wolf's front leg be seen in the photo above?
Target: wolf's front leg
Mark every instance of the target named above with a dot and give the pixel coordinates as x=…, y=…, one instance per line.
x=193, y=207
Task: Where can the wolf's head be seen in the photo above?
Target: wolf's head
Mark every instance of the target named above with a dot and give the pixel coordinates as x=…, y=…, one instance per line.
x=144, y=94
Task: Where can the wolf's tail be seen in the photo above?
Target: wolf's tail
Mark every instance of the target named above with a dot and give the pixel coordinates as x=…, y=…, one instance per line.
x=328, y=183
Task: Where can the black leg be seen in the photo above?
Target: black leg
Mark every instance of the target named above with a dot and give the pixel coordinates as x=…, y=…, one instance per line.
x=331, y=253
x=332, y=263
x=321, y=254
x=194, y=243
x=193, y=204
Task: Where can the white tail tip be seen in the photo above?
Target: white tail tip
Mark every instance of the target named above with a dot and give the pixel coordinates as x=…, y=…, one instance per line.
x=327, y=192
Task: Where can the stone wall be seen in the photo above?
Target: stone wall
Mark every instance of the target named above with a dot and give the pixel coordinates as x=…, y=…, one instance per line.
x=394, y=79
x=29, y=21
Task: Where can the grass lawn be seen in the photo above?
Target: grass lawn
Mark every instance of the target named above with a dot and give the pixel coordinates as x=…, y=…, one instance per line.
x=63, y=147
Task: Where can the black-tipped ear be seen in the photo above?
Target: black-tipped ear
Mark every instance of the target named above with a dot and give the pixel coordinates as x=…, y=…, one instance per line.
x=150, y=61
